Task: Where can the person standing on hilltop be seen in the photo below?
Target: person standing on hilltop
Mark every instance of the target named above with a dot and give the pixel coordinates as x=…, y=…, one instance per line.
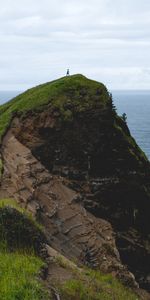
x=68, y=72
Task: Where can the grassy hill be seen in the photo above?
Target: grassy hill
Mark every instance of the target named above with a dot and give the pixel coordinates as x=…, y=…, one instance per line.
x=56, y=92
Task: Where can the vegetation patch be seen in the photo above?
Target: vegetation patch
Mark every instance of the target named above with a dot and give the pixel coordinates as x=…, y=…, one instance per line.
x=19, y=277
x=7, y=202
x=92, y=285
x=17, y=230
x=11, y=203
x=19, y=266
x=81, y=91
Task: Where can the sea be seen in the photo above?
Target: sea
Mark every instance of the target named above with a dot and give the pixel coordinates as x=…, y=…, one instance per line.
x=136, y=105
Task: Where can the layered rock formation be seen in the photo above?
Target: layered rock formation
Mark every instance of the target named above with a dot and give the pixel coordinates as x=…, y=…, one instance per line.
x=71, y=161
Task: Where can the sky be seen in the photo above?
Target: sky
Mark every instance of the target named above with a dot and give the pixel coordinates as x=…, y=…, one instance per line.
x=105, y=40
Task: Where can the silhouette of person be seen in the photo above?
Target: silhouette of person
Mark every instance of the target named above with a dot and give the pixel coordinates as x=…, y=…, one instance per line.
x=68, y=73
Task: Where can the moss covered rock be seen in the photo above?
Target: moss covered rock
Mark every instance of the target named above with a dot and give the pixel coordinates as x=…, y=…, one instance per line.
x=18, y=231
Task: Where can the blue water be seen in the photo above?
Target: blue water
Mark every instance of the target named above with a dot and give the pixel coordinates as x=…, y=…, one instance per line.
x=136, y=104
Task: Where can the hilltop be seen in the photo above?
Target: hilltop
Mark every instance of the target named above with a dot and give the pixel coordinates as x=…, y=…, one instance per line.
x=70, y=161
x=55, y=93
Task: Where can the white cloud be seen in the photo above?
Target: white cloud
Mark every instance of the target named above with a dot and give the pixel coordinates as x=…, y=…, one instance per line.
x=106, y=40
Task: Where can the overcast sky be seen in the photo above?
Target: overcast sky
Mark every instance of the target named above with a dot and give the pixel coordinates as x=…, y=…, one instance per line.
x=103, y=39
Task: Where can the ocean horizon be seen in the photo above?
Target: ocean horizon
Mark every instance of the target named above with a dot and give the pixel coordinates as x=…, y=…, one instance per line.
x=136, y=105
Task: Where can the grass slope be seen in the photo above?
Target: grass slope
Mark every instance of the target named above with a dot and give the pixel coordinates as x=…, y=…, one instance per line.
x=104, y=288
x=19, y=268
x=19, y=277
x=87, y=284
x=7, y=202
x=57, y=93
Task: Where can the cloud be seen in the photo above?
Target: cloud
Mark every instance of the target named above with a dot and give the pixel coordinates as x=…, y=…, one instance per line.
x=107, y=40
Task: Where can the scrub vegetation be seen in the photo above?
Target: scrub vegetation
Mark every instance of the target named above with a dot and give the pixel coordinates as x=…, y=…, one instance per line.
x=93, y=285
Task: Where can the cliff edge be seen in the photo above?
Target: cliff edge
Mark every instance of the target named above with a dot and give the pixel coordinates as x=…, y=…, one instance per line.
x=70, y=160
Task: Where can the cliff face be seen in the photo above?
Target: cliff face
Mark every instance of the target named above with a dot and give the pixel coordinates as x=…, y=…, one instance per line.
x=71, y=161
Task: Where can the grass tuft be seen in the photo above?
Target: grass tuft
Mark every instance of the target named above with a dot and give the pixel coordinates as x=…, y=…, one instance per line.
x=19, y=277
x=92, y=285
x=8, y=202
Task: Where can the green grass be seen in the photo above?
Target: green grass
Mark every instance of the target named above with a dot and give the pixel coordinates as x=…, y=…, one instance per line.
x=12, y=203
x=57, y=93
x=19, y=277
x=18, y=229
x=95, y=286
x=19, y=270
x=7, y=202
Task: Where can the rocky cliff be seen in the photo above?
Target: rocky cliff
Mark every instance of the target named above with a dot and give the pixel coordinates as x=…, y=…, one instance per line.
x=69, y=159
